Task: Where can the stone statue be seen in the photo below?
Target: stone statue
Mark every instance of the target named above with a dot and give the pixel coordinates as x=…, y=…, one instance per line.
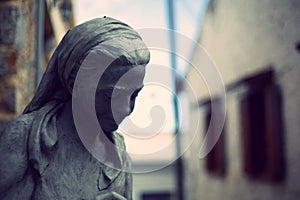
x=42, y=156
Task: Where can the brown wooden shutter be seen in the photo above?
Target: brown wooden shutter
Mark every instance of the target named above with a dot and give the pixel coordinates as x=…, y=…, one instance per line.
x=215, y=160
x=262, y=132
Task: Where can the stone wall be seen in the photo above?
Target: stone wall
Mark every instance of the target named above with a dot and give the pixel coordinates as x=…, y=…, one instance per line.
x=18, y=43
x=17, y=56
x=243, y=38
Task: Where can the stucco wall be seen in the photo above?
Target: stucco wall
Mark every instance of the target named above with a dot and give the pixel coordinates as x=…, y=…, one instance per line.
x=243, y=37
x=162, y=180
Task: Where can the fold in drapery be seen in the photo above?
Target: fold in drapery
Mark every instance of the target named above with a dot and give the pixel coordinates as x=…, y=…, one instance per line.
x=55, y=88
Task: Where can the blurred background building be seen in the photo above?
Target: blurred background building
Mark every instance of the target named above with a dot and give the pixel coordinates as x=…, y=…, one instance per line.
x=255, y=45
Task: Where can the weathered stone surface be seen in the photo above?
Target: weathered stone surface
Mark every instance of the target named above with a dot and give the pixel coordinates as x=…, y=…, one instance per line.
x=17, y=55
x=9, y=18
x=42, y=155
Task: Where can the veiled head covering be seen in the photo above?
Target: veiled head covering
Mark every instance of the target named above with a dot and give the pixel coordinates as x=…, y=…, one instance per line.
x=56, y=83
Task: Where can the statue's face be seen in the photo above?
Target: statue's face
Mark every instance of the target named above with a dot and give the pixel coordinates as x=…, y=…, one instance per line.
x=120, y=95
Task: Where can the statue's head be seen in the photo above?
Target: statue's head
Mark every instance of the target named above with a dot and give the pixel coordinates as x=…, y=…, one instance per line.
x=121, y=79
x=122, y=76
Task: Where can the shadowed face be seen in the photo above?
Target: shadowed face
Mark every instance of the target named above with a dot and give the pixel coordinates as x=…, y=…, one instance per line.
x=116, y=94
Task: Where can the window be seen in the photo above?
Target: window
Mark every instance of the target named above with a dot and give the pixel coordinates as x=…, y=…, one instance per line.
x=157, y=196
x=215, y=160
x=261, y=129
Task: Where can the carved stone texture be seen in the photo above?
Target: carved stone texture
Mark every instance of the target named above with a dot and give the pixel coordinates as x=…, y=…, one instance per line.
x=9, y=16
x=42, y=155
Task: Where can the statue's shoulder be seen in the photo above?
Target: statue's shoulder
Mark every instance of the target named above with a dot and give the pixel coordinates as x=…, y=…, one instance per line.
x=13, y=156
x=17, y=127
